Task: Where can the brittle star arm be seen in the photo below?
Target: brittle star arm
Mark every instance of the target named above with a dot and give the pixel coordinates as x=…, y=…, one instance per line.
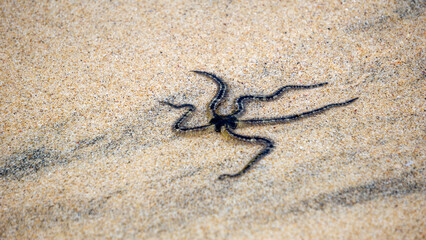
x=268, y=145
x=295, y=116
x=239, y=102
x=222, y=90
x=178, y=125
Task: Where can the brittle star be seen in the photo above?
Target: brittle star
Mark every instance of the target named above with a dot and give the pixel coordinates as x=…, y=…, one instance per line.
x=228, y=123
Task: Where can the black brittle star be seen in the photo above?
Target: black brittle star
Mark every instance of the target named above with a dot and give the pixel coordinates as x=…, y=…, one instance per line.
x=228, y=123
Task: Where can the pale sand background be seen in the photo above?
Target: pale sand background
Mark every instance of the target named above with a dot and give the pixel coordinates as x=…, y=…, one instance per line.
x=88, y=152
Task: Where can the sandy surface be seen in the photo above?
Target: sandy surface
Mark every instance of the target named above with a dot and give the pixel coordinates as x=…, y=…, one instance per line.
x=87, y=151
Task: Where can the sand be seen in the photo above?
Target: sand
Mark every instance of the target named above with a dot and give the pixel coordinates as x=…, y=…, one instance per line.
x=87, y=150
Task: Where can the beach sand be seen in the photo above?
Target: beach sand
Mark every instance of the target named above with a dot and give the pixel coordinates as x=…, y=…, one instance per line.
x=88, y=152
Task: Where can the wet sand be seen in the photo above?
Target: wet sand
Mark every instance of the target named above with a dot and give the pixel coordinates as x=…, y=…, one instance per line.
x=87, y=150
